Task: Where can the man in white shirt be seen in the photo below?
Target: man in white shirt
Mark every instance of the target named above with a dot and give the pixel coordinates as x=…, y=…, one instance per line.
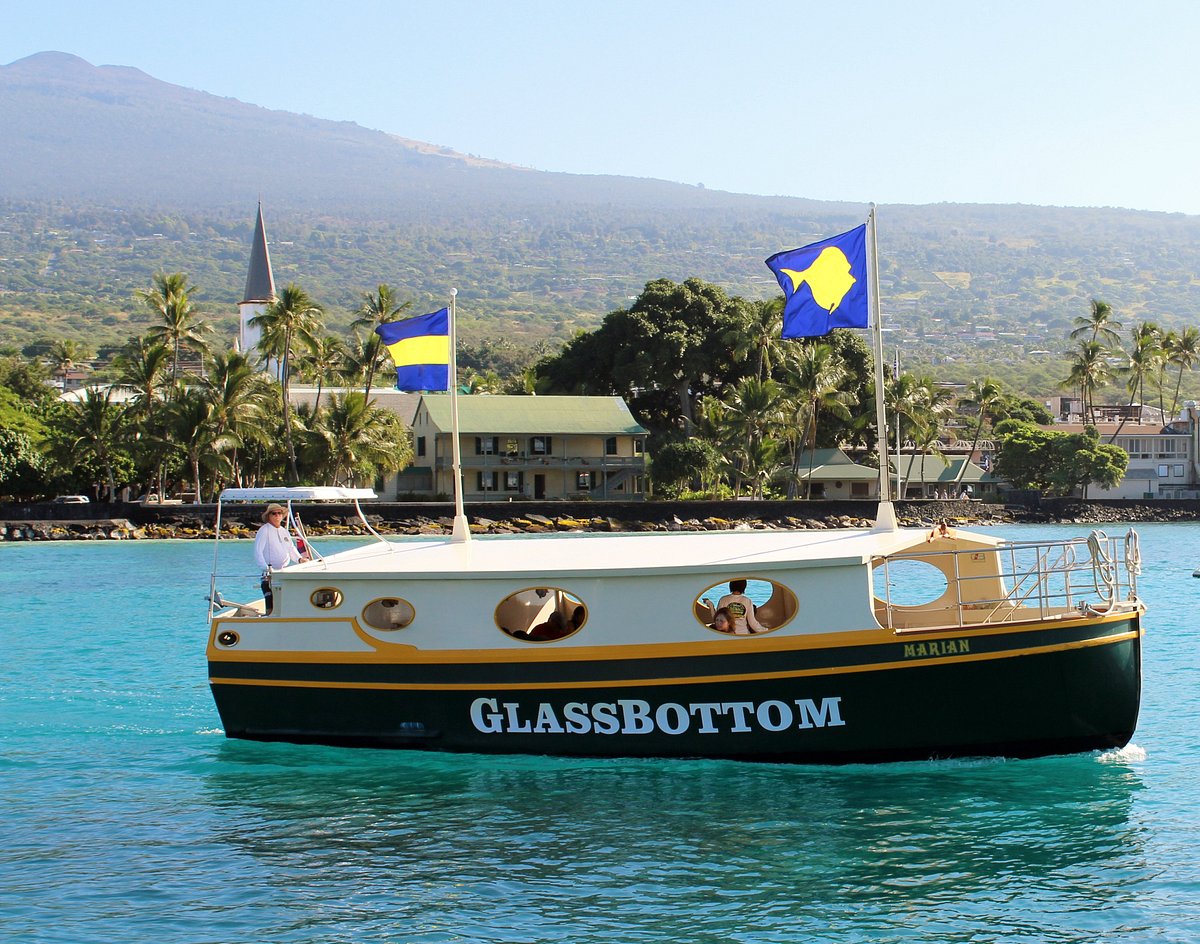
x=274, y=549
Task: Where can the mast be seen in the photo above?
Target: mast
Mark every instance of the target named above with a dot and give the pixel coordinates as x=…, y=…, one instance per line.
x=461, y=533
x=885, y=518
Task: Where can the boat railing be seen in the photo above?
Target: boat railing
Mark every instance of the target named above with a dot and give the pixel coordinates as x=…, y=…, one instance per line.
x=1017, y=580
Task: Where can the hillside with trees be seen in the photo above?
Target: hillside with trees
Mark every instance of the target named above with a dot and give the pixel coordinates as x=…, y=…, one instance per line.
x=95, y=198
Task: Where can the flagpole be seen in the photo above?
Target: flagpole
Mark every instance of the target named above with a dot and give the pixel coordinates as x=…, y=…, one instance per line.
x=896, y=377
x=885, y=517
x=461, y=533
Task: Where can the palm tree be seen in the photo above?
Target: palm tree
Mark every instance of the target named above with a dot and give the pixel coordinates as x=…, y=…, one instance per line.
x=982, y=394
x=752, y=413
x=65, y=355
x=237, y=396
x=325, y=357
x=293, y=317
x=180, y=327
x=191, y=423
x=91, y=431
x=1089, y=372
x=1098, y=325
x=1143, y=360
x=813, y=381
x=353, y=440
x=375, y=310
x=142, y=370
x=760, y=337
x=1182, y=351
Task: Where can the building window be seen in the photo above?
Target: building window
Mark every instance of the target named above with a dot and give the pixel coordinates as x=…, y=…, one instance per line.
x=487, y=481
x=513, y=481
x=539, y=445
x=1177, y=471
x=860, y=490
x=639, y=447
x=1164, y=470
x=486, y=445
x=610, y=446
x=583, y=481
x=511, y=448
x=420, y=445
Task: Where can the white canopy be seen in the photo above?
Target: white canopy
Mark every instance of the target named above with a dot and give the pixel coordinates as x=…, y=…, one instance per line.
x=299, y=493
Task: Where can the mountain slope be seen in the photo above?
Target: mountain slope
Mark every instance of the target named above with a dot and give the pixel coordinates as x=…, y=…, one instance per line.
x=107, y=175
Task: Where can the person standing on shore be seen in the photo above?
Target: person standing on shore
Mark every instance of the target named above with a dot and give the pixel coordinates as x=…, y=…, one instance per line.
x=274, y=549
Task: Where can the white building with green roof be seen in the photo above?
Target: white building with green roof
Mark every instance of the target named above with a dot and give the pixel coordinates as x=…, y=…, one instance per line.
x=527, y=447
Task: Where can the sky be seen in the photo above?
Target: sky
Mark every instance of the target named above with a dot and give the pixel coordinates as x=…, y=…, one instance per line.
x=1053, y=103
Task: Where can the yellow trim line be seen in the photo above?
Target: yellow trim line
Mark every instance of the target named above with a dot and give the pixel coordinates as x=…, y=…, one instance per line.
x=630, y=683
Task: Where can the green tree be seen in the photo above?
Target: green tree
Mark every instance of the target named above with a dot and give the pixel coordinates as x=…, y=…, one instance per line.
x=353, y=441
x=180, y=325
x=682, y=464
x=663, y=354
x=1098, y=325
x=238, y=396
x=293, y=317
x=377, y=309
x=23, y=468
x=91, y=432
x=1089, y=373
x=324, y=358
x=814, y=378
x=982, y=395
x=142, y=371
x=1181, y=350
x=761, y=337
x=1058, y=462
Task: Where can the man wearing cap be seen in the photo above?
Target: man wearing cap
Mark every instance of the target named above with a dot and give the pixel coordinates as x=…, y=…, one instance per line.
x=273, y=548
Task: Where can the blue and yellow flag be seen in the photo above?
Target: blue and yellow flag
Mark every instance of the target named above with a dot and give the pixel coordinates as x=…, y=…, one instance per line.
x=824, y=285
x=420, y=349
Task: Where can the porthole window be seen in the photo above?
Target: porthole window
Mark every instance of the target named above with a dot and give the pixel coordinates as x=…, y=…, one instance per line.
x=388, y=613
x=541, y=614
x=910, y=582
x=745, y=606
x=326, y=598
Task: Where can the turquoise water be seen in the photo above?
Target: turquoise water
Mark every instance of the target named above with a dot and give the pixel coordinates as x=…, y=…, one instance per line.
x=126, y=816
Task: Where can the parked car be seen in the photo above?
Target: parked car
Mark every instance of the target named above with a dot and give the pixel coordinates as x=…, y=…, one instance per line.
x=72, y=500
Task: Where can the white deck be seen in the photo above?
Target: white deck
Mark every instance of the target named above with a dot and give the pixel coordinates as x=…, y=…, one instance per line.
x=596, y=555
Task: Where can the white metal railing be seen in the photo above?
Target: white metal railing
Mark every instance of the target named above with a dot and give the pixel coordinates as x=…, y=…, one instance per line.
x=1028, y=580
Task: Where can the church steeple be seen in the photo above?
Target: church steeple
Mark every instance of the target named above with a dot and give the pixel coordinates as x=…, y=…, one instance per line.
x=260, y=287
x=260, y=283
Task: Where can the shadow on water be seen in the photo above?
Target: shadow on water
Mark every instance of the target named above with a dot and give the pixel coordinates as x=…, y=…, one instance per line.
x=646, y=845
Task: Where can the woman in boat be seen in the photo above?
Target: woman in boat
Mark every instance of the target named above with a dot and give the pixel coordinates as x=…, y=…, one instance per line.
x=741, y=609
x=274, y=549
x=722, y=622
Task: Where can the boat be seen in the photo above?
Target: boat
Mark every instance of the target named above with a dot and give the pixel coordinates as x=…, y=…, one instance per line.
x=876, y=644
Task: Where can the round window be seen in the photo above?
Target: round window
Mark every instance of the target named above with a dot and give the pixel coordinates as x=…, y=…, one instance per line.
x=388, y=613
x=326, y=598
x=745, y=606
x=910, y=582
x=541, y=614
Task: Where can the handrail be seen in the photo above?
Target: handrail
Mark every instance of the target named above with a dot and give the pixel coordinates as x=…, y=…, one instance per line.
x=1036, y=578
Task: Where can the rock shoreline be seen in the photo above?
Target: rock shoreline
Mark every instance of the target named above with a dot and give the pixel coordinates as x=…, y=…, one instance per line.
x=197, y=522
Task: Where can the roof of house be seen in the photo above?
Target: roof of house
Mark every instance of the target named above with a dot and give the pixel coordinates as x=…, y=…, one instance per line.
x=927, y=468
x=834, y=464
x=401, y=402
x=534, y=415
